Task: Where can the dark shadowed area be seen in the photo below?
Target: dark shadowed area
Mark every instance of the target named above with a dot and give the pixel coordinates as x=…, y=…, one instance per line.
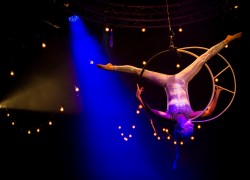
x=83, y=142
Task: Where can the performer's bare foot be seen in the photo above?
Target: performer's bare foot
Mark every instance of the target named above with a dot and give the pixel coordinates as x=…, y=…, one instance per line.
x=233, y=37
x=108, y=66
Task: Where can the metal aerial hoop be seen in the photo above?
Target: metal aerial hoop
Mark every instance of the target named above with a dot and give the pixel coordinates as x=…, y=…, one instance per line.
x=185, y=50
x=212, y=76
x=182, y=50
x=233, y=91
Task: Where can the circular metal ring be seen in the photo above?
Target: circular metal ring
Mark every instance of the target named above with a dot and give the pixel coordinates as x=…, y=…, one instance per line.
x=183, y=50
x=233, y=92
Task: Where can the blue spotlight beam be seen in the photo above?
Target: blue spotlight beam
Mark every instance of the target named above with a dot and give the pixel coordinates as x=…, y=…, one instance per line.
x=104, y=105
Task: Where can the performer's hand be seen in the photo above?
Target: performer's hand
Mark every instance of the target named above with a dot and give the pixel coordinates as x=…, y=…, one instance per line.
x=139, y=91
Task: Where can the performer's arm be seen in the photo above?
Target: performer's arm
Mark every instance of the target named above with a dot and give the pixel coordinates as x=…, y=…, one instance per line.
x=213, y=104
x=161, y=114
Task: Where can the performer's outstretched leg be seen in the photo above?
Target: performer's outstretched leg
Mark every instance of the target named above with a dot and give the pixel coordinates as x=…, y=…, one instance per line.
x=154, y=77
x=190, y=71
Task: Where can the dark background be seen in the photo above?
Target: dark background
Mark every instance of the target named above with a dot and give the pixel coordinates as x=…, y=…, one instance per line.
x=220, y=149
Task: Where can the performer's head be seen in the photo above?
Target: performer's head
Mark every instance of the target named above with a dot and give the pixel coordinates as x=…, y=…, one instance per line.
x=187, y=130
x=184, y=128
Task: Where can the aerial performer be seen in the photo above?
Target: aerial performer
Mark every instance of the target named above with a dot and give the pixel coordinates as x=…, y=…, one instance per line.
x=178, y=109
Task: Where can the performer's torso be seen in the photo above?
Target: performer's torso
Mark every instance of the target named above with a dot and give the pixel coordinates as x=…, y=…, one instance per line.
x=177, y=97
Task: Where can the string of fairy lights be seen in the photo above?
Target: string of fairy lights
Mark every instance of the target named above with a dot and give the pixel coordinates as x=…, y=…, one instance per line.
x=11, y=117
x=160, y=134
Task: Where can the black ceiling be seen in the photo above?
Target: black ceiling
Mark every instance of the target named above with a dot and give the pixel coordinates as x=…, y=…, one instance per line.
x=26, y=23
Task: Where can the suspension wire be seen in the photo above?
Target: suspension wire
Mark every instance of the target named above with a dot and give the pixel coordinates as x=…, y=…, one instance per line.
x=171, y=32
x=173, y=49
